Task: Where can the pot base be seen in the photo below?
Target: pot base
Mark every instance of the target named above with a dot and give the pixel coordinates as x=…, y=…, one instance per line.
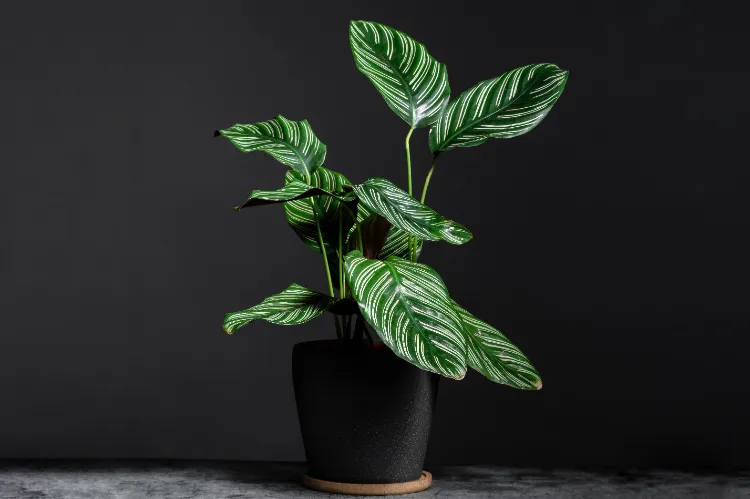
x=369, y=489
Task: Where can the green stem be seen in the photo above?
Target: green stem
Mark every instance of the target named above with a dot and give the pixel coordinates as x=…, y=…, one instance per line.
x=342, y=281
x=410, y=239
x=427, y=180
x=320, y=242
x=408, y=159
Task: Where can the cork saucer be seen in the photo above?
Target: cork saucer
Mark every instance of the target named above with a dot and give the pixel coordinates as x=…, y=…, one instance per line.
x=369, y=489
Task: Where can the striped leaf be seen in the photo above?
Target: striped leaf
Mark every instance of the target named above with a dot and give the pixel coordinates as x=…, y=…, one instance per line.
x=409, y=307
x=396, y=242
x=293, y=191
x=493, y=355
x=413, y=84
x=293, y=143
x=381, y=196
x=503, y=107
x=294, y=305
x=299, y=213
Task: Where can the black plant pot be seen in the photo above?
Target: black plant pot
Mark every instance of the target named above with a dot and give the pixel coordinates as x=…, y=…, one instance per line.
x=365, y=415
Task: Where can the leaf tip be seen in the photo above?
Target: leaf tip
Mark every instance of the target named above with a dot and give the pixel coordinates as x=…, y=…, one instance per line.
x=237, y=208
x=216, y=133
x=538, y=384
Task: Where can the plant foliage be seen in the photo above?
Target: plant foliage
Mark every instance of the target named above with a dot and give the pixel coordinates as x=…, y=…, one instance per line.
x=409, y=307
x=294, y=305
x=371, y=234
x=413, y=84
x=503, y=107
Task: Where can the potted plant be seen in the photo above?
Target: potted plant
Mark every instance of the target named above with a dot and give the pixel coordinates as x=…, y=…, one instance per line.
x=365, y=399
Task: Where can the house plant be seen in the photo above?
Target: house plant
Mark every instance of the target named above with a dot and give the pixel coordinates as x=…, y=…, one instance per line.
x=370, y=236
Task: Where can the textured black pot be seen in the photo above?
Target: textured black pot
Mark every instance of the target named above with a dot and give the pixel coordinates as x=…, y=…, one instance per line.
x=365, y=414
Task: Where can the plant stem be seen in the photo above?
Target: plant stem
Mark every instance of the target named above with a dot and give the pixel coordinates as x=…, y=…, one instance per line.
x=410, y=239
x=427, y=180
x=342, y=281
x=320, y=241
x=323, y=250
x=408, y=159
x=424, y=196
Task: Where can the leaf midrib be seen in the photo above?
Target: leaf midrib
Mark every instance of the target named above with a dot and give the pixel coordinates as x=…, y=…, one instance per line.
x=412, y=102
x=490, y=354
x=463, y=129
x=420, y=222
x=293, y=148
x=394, y=274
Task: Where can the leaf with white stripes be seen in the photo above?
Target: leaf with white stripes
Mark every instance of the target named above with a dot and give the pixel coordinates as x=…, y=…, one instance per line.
x=381, y=196
x=295, y=305
x=293, y=143
x=413, y=84
x=299, y=213
x=493, y=355
x=293, y=191
x=503, y=107
x=409, y=307
x=396, y=242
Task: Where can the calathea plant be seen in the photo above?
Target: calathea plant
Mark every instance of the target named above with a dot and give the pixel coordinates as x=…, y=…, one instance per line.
x=370, y=234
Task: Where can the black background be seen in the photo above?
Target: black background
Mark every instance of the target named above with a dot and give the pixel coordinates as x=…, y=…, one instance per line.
x=610, y=243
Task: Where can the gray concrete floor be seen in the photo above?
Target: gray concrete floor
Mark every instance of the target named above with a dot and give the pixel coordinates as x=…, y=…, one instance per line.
x=218, y=480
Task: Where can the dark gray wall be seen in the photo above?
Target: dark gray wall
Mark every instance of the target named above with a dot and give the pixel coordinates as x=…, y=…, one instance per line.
x=610, y=243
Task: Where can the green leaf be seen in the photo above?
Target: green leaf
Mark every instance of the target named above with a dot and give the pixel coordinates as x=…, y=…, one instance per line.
x=409, y=307
x=503, y=107
x=293, y=143
x=413, y=84
x=381, y=196
x=293, y=191
x=299, y=213
x=396, y=242
x=493, y=355
x=294, y=305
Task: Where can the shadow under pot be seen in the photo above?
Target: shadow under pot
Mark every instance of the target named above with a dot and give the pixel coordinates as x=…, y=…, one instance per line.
x=365, y=416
